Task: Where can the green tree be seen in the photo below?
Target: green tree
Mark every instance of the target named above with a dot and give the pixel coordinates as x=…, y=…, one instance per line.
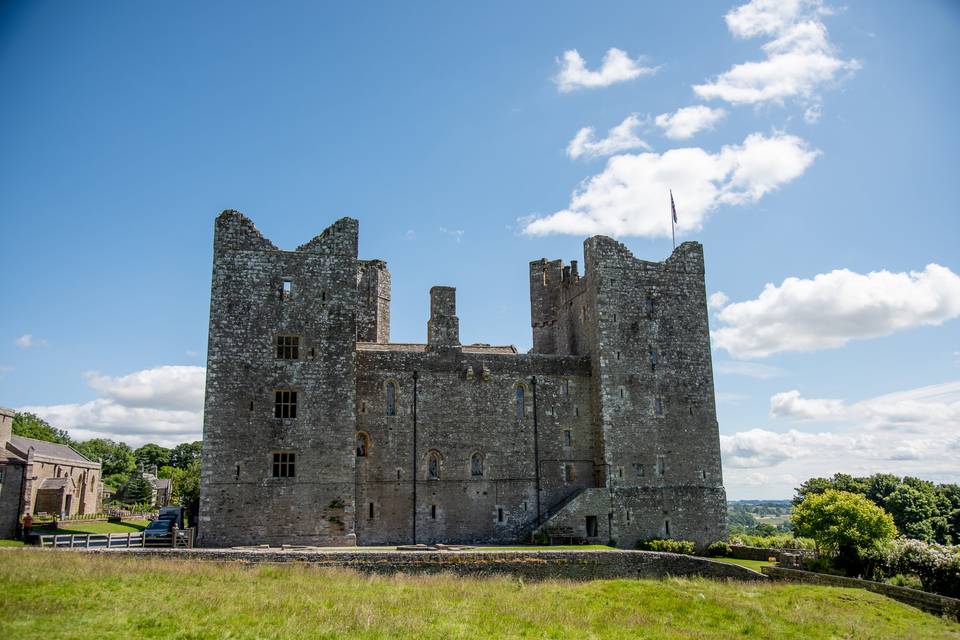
x=186, y=488
x=811, y=487
x=844, y=524
x=137, y=491
x=881, y=485
x=183, y=454
x=152, y=454
x=117, y=457
x=912, y=506
x=30, y=425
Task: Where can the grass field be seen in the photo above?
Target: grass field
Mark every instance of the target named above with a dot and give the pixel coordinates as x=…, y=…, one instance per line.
x=749, y=564
x=62, y=594
x=127, y=526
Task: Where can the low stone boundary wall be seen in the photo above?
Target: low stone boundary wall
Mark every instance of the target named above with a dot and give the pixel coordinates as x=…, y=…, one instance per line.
x=762, y=553
x=930, y=602
x=534, y=565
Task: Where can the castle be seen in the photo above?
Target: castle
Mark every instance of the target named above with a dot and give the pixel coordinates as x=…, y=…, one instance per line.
x=320, y=431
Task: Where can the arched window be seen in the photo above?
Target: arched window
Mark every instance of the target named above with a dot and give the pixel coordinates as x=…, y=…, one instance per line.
x=521, y=408
x=363, y=443
x=391, y=393
x=476, y=465
x=433, y=466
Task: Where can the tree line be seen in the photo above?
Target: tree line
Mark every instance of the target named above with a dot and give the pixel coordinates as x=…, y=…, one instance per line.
x=122, y=467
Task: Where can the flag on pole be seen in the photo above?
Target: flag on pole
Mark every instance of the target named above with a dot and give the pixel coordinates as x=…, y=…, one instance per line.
x=673, y=207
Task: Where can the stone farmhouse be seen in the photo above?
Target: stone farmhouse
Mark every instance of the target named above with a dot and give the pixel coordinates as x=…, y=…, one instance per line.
x=318, y=430
x=43, y=477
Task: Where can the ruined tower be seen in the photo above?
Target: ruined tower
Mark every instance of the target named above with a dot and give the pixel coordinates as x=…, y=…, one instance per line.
x=318, y=430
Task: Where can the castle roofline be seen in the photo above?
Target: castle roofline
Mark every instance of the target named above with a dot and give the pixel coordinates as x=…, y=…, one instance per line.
x=419, y=347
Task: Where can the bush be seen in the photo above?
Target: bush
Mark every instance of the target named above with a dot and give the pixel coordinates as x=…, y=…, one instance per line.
x=901, y=580
x=718, y=549
x=667, y=545
x=936, y=565
x=780, y=541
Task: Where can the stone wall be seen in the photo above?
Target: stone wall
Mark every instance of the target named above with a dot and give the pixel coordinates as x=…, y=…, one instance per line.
x=534, y=565
x=467, y=406
x=931, y=602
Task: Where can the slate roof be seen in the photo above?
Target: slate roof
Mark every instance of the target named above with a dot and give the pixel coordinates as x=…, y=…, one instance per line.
x=55, y=484
x=402, y=346
x=45, y=449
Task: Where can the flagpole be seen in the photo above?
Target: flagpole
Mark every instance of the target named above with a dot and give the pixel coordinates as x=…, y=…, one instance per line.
x=673, y=233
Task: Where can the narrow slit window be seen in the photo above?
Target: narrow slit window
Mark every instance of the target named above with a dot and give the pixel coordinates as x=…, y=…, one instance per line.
x=568, y=473
x=567, y=438
x=286, y=289
x=520, y=405
x=661, y=465
x=499, y=514
x=433, y=466
x=565, y=386
x=476, y=465
x=288, y=347
x=653, y=358
x=666, y=527
x=370, y=511
x=391, y=399
x=284, y=464
x=576, y=411
x=433, y=511
x=638, y=468
x=658, y=406
x=285, y=404
x=363, y=442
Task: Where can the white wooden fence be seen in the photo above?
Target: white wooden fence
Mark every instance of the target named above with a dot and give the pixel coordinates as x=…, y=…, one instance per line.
x=181, y=538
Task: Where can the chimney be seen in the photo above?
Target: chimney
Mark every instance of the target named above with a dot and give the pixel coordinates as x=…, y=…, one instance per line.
x=443, y=328
x=6, y=426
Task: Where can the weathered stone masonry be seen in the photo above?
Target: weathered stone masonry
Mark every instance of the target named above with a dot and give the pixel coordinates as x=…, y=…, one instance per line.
x=605, y=430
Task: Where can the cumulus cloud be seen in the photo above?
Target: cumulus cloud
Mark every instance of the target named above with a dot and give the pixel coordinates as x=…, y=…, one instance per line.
x=163, y=405
x=684, y=123
x=833, y=308
x=29, y=341
x=617, y=67
x=629, y=197
x=622, y=137
x=908, y=432
x=799, y=55
x=790, y=403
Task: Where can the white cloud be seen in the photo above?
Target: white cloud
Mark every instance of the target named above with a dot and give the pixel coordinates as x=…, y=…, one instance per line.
x=789, y=403
x=748, y=369
x=717, y=300
x=163, y=405
x=833, y=308
x=456, y=234
x=617, y=67
x=622, y=137
x=410, y=234
x=685, y=122
x=910, y=432
x=799, y=58
x=28, y=341
x=190, y=353
x=629, y=197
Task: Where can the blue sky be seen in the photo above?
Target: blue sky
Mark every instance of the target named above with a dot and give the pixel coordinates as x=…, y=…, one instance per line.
x=819, y=138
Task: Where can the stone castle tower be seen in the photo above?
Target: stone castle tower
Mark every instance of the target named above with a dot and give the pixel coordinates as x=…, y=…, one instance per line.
x=319, y=430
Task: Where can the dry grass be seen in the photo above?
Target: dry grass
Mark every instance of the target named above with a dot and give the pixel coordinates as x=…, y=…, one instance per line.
x=62, y=594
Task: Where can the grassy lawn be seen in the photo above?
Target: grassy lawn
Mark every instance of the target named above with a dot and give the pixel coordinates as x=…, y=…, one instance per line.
x=127, y=526
x=749, y=564
x=11, y=543
x=63, y=594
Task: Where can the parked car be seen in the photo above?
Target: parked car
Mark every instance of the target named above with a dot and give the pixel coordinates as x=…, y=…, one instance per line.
x=159, y=528
x=172, y=513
